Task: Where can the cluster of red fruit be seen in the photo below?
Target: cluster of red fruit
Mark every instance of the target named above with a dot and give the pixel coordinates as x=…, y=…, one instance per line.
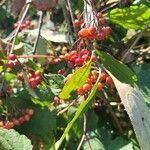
x=104, y=80
x=25, y=25
x=12, y=61
x=26, y=116
x=78, y=22
x=79, y=58
x=91, y=33
x=35, y=79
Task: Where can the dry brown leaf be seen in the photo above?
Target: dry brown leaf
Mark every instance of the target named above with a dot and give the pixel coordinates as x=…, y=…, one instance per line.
x=17, y=7
x=44, y=5
x=137, y=111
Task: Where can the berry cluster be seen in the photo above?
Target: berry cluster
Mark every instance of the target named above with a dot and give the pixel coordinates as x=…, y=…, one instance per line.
x=16, y=121
x=25, y=25
x=91, y=33
x=12, y=61
x=35, y=79
x=78, y=22
x=79, y=58
x=104, y=80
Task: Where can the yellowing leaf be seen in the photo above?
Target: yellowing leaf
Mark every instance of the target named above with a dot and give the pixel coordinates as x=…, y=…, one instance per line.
x=76, y=81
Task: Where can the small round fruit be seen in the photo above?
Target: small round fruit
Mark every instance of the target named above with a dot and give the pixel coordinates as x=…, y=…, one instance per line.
x=100, y=86
x=30, y=112
x=12, y=57
x=103, y=76
x=27, y=117
x=87, y=87
x=109, y=80
x=10, y=64
x=79, y=61
x=16, y=122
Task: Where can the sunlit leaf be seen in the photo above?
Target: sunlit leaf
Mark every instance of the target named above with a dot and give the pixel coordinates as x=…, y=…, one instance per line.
x=76, y=81
x=118, y=69
x=10, y=139
x=133, y=17
x=80, y=111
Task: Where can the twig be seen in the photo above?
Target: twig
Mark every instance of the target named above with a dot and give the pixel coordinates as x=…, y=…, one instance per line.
x=72, y=17
x=131, y=47
x=84, y=136
x=39, y=31
x=65, y=12
x=65, y=109
x=112, y=113
x=19, y=25
x=35, y=56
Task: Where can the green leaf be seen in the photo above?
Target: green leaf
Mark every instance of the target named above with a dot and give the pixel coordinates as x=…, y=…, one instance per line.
x=94, y=140
x=118, y=69
x=10, y=139
x=10, y=76
x=121, y=144
x=80, y=111
x=33, y=65
x=56, y=82
x=143, y=73
x=42, y=125
x=76, y=81
x=134, y=17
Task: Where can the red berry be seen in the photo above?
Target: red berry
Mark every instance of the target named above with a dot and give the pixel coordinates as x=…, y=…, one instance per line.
x=33, y=82
x=62, y=71
x=28, y=22
x=10, y=64
x=102, y=20
x=106, y=30
x=30, y=111
x=31, y=26
x=109, y=80
x=84, y=52
x=100, y=86
x=15, y=25
x=87, y=87
x=77, y=23
x=23, y=26
x=12, y=57
x=79, y=61
x=38, y=79
x=83, y=33
x=101, y=36
x=93, y=58
x=16, y=121
x=99, y=15
x=103, y=76
x=92, y=30
x=16, y=63
x=21, y=120
x=80, y=91
x=8, y=124
x=73, y=57
x=27, y=117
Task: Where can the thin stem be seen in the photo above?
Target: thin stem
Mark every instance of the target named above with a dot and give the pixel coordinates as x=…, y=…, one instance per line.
x=72, y=17
x=18, y=28
x=112, y=113
x=35, y=56
x=131, y=47
x=39, y=31
x=84, y=131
